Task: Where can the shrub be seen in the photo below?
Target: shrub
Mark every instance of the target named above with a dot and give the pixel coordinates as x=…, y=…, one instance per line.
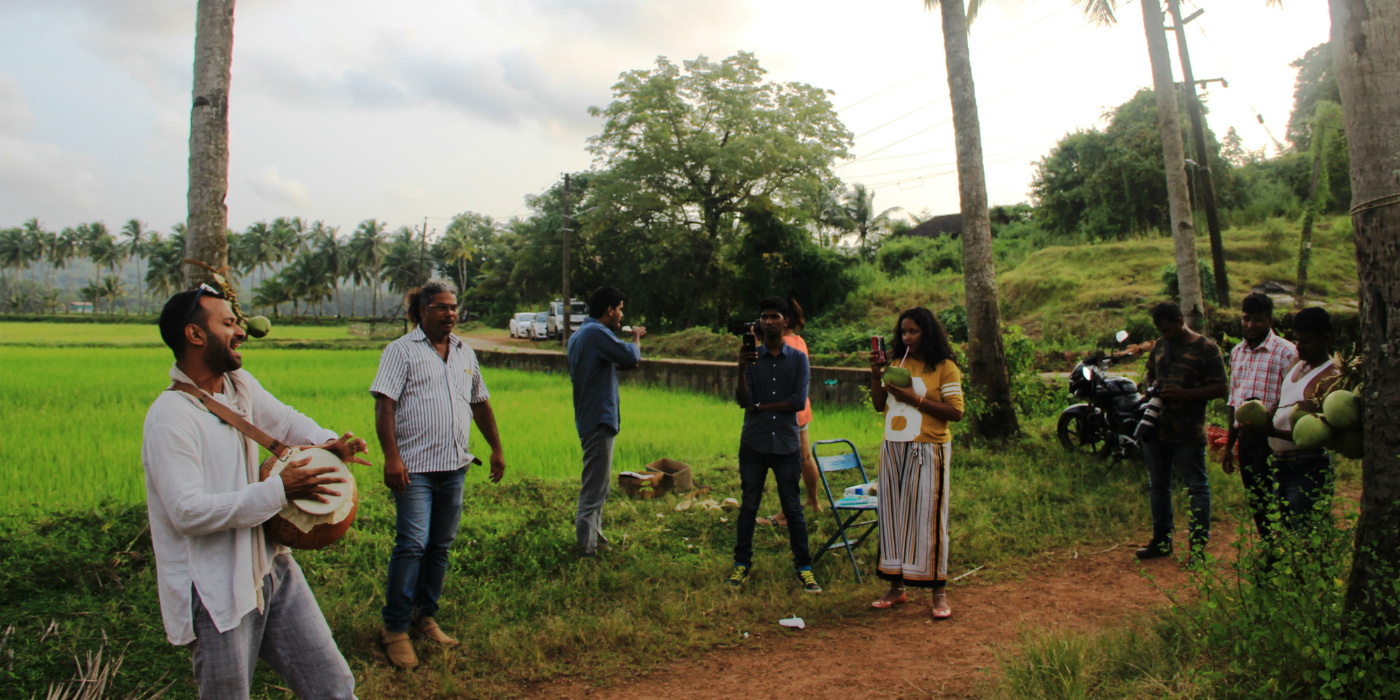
x=1173, y=287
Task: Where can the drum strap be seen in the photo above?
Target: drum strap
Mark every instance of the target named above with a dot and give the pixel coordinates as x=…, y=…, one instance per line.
x=239, y=423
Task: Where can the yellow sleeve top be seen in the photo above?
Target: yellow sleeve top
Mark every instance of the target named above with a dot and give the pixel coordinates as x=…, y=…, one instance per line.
x=905, y=423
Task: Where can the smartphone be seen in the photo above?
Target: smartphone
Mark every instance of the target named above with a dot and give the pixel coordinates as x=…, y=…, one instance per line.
x=750, y=342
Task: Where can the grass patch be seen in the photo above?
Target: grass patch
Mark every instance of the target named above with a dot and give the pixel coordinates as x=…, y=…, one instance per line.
x=75, y=560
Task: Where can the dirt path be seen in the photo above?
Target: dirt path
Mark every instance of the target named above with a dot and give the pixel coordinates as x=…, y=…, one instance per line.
x=903, y=654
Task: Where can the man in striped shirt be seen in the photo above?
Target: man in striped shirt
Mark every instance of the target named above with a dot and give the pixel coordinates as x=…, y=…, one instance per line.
x=427, y=393
x=1257, y=369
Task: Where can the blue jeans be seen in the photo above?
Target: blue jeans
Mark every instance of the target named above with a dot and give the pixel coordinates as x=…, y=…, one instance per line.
x=787, y=474
x=1188, y=460
x=1304, y=486
x=429, y=511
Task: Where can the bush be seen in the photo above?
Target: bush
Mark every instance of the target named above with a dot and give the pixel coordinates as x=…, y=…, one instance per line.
x=1173, y=286
x=918, y=255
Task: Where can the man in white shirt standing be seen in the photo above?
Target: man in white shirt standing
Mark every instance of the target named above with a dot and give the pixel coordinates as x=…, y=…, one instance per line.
x=427, y=394
x=225, y=588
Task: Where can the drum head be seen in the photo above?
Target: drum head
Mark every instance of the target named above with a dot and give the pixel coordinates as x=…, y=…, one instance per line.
x=324, y=458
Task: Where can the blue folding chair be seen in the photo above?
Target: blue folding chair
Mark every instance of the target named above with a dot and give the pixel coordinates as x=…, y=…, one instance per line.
x=846, y=510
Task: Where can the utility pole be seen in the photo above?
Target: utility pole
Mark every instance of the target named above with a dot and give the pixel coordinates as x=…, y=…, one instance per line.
x=1193, y=109
x=423, y=255
x=568, y=310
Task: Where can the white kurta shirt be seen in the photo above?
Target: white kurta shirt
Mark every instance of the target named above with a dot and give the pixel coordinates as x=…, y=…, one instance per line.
x=202, y=508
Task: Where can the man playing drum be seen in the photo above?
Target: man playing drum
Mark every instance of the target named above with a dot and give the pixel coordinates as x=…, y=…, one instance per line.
x=225, y=589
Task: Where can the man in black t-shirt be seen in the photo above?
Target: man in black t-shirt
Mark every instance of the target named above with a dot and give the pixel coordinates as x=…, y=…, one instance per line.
x=1189, y=370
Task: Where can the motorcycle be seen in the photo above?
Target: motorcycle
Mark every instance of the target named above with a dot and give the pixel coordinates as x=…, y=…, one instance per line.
x=1114, y=416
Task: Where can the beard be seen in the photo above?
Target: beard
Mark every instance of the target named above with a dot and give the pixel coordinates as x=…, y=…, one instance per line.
x=219, y=357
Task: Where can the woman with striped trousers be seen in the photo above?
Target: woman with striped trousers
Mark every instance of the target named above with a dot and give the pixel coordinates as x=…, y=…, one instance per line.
x=914, y=459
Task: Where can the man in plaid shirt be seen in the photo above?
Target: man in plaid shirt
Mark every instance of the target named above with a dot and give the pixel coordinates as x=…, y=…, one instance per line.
x=1257, y=368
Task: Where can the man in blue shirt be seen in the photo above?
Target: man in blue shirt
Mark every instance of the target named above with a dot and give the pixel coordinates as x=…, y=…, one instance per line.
x=772, y=388
x=595, y=355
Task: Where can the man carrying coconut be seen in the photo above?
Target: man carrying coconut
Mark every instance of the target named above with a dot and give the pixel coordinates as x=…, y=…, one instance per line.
x=1303, y=476
x=772, y=388
x=1188, y=370
x=595, y=356
x=225, y=589
x=427, y=394
x=1257, y=368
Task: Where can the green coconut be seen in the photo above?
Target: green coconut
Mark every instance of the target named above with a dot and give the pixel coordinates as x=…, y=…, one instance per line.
x=259, y=326
x=1349, y=443
x=1297, y=415
x=1311, y=433
x=1252, y=413
x=898, y=376
x=1342, y=409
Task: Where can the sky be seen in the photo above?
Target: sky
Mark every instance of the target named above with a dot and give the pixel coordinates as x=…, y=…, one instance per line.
x=343, y=110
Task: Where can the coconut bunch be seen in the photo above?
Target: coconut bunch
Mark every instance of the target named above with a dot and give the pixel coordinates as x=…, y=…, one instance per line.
x=256, y=326
x=1337, y=426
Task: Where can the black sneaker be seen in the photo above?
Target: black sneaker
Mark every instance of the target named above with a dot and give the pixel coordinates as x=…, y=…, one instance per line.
x=1155, y=549
x=809, y=581
x=738, y=576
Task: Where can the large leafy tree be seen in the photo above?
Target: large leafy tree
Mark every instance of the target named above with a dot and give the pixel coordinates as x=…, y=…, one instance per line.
x=686, y=149
x=1316, y=82
x=986, y=356
x=1107, y=184
x=1366, y=46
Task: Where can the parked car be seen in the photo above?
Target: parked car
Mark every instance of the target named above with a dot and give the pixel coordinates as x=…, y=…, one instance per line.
x=520, y=324
x=539, y=327
x=556, y=316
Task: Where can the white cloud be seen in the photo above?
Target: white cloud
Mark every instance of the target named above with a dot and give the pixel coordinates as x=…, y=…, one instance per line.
x=277, y=190
x=34, y=176
x=15, y=117
x=408, y=194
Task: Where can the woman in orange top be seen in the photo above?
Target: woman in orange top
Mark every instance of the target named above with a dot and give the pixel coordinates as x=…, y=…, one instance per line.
x=914, y=458
x=804, y=417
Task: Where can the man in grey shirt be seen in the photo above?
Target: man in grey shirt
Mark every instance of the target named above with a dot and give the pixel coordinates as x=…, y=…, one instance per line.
x=595, y=355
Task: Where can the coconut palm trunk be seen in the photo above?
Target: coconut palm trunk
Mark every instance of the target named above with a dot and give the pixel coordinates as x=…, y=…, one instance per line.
x=1188, y=270
x=986, y=356
x=1366, y=46
x=206, y=239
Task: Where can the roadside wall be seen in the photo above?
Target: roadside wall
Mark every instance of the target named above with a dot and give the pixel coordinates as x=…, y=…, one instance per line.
x=847, y=386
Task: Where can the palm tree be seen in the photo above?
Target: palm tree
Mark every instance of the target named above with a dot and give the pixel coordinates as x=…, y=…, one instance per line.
x=101, y=248
x=208, y=165
x=1173, y=151
x=111, y=289
x=135, y=235
x=1366, y=46
x=332, y=252
x=34, y=246
x=68, y=247
x=986, y=354
x=11, y=249
x=456, y=248
x=271, y=292
x=165, y=274
x=856, y=213
x=403, y=263
x=368, y=247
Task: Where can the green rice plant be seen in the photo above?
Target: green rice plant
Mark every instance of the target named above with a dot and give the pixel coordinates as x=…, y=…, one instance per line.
x=72, y=434
x=144, y=335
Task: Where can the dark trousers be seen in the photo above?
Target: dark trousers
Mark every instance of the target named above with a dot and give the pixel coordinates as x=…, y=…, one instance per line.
x=1188, y=460
x=1258, y=479
x=1304, y=487
x=787, y=473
